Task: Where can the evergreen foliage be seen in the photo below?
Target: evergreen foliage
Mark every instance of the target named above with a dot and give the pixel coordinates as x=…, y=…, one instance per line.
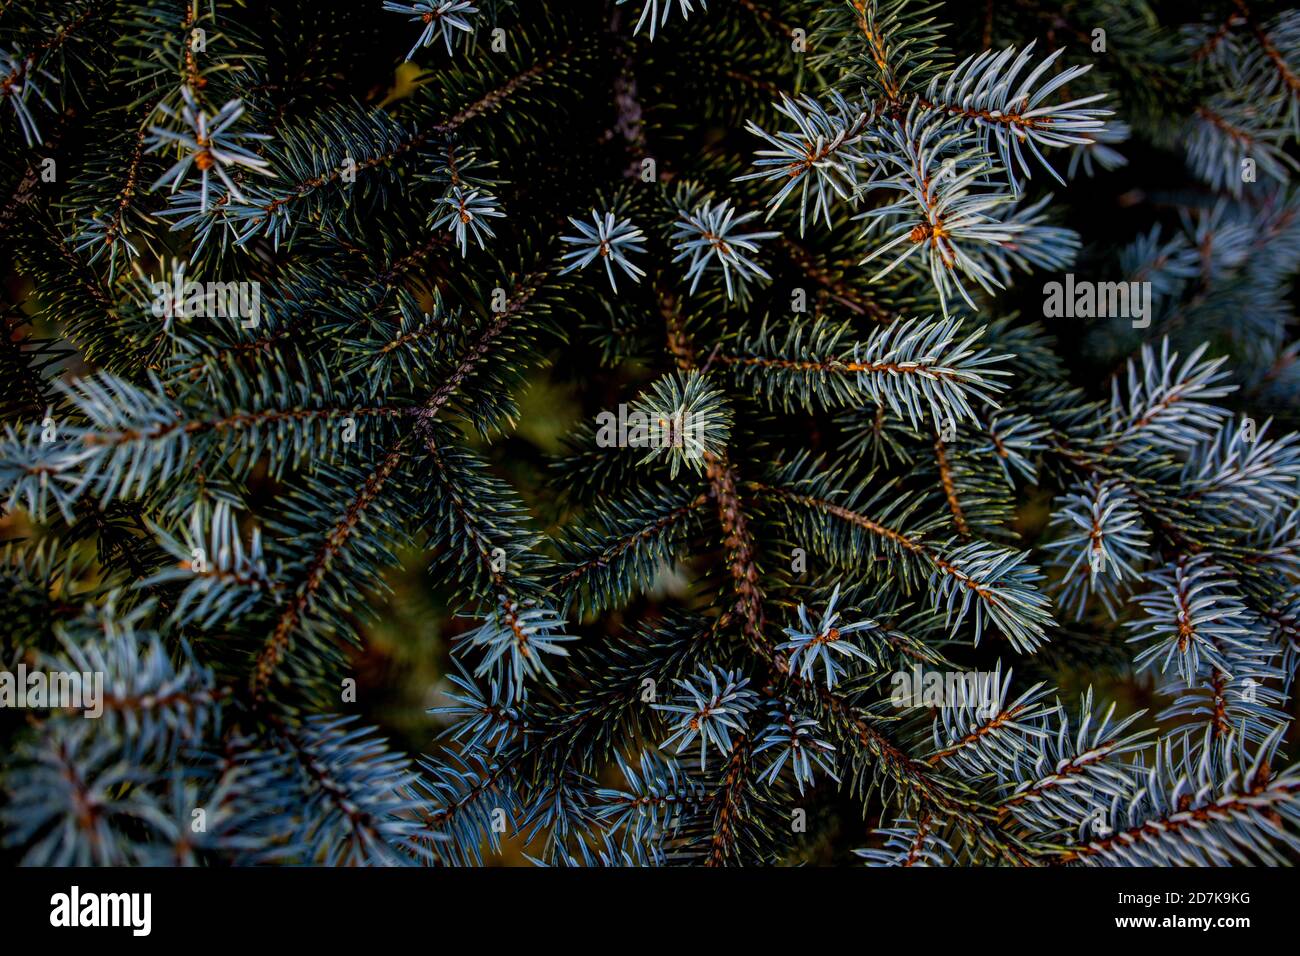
x=631, y=432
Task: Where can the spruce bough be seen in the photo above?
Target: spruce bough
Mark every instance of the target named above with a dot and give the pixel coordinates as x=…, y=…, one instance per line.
x=674, y=380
